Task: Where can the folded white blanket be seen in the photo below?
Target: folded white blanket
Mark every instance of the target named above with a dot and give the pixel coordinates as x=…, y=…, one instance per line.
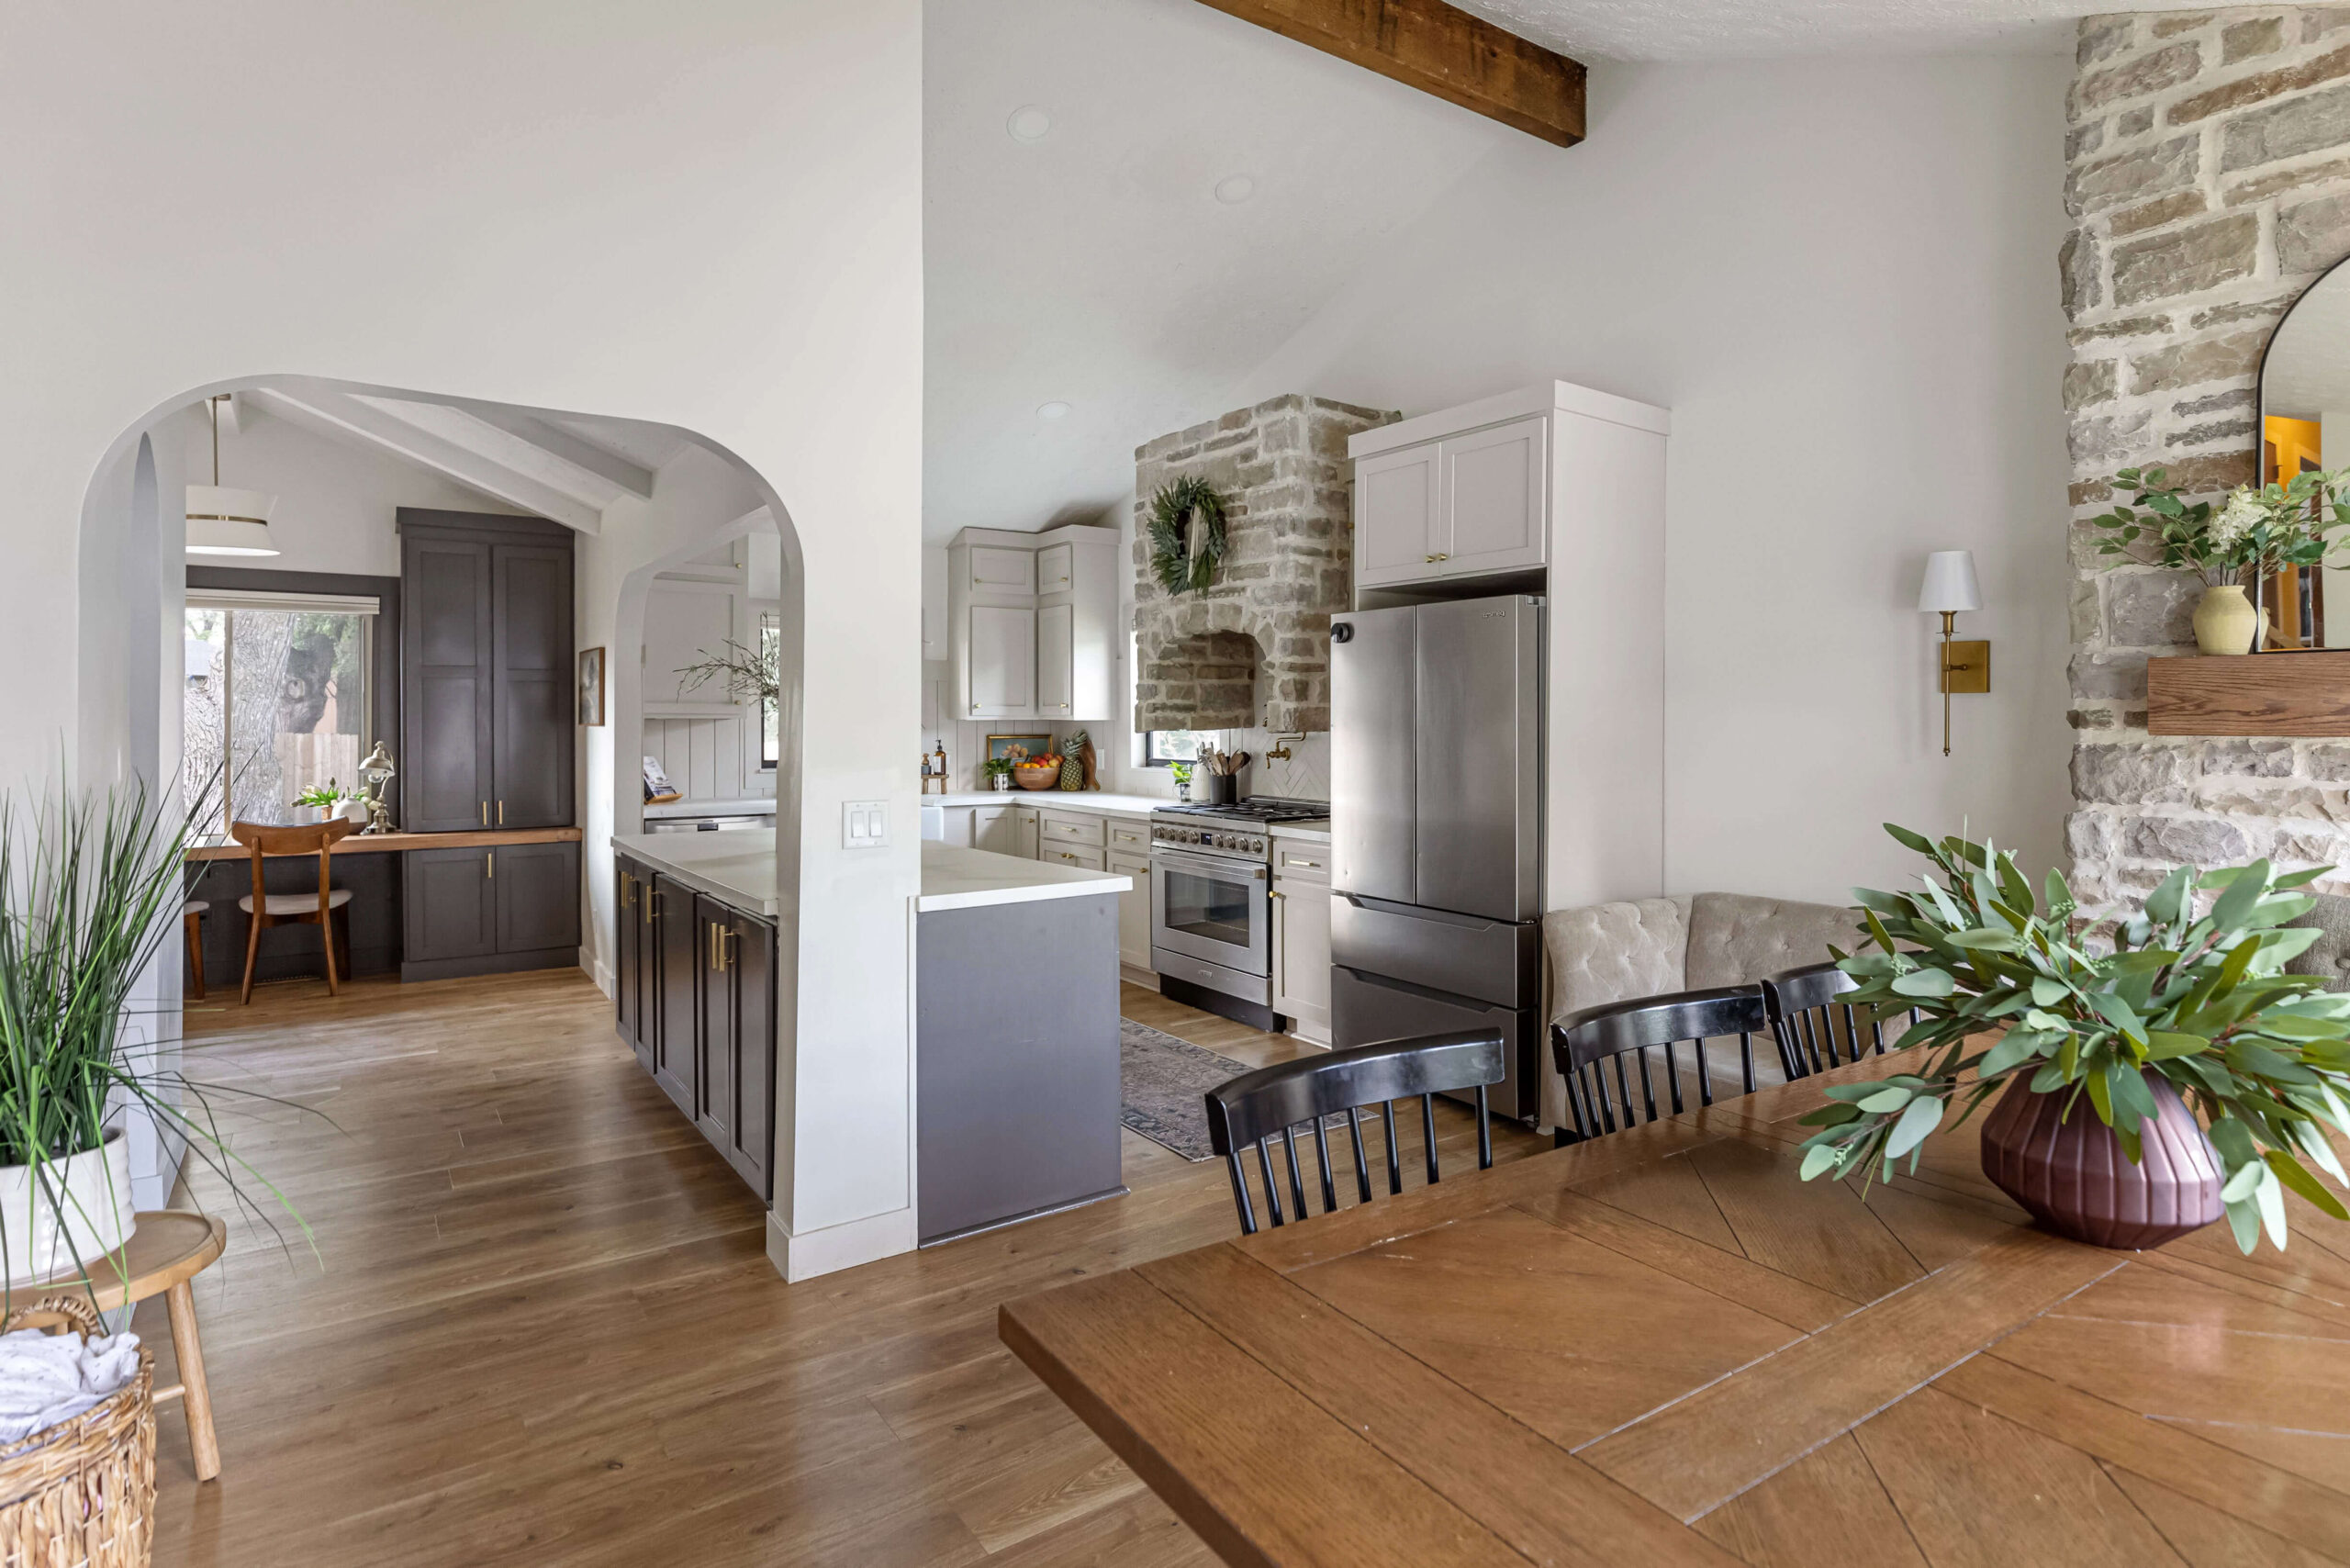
x=48, y=1378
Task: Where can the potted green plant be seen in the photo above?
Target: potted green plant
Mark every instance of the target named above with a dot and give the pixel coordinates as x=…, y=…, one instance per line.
x=2111, y=1054
x=998, y=773
x=90, y=889
x=2252, y=535
x=329, y=799
x=1183, y=772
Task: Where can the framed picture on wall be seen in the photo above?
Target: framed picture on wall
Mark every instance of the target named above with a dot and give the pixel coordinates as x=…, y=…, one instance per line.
x=591, y=686
x=1030, y=746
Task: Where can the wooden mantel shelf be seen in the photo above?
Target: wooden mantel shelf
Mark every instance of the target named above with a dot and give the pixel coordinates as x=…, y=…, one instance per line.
x=384, y=843
x=2250, y=694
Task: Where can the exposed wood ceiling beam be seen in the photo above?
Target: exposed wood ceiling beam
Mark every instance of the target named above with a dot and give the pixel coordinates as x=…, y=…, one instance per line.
x=1428, y=44
x=340, y=411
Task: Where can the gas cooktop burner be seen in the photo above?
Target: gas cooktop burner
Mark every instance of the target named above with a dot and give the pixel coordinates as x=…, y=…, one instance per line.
x=1256, y=808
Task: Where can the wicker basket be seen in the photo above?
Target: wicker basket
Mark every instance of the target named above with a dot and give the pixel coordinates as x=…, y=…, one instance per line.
x=82, y=1494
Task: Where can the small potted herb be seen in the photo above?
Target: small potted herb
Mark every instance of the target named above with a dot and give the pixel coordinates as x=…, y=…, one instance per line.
x=1183, y=772
x=998, y=773
x=329, y=799
x=2128, y=1044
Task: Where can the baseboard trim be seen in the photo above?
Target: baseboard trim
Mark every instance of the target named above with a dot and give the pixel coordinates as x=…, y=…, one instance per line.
x=603, y=977
x=490, y=964
x=1132, y=975
x=836, y=1247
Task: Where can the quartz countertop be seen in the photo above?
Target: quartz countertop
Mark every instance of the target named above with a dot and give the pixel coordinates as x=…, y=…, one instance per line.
x=736, y=868
x=972, y=879
x=757, y=806
x=1099, y=800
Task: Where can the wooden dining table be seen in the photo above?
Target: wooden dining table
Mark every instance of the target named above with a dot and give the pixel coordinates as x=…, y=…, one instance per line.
x=1659, y=1346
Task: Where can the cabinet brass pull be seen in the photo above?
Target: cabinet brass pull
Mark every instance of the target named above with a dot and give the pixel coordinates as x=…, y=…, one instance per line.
x=493, y=865
x=1276, y=893
x=1429, y=558
x=485, y=813
x=628, y=890
x=501, y=814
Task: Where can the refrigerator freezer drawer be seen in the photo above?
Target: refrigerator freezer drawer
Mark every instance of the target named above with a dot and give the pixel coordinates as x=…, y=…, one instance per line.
x=1367, y=1009
x=1496, y=961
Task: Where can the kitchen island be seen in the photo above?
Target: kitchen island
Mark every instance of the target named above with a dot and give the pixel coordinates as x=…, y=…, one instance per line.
x=1016, y=1016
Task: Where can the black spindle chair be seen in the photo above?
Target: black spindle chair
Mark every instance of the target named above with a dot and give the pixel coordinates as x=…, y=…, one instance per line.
x=1813, y=1029
x=1270, y=1103
x=1585, y=1043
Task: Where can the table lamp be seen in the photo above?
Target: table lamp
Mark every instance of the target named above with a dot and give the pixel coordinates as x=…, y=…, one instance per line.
x=1948, y=588
x=371, y=775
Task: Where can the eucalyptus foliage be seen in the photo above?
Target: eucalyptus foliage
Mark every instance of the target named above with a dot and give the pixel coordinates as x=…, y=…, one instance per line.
x=2005, y=983
x=2255, y=533
x=90, y=889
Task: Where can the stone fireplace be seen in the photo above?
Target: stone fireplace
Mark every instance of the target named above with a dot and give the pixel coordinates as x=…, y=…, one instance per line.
x=2208, y=178
x=1252, y=650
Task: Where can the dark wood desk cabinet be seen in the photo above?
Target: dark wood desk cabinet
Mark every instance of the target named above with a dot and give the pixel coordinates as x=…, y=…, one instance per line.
x=490, y=910
x=486, y=720
x=695, y=1002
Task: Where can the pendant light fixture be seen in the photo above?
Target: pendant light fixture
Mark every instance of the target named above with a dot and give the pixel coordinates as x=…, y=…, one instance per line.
x=223, y=522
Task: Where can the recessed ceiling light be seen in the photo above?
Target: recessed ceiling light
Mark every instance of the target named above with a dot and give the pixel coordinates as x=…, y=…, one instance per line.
x=1234, y=189
x=1029, y=123
x=1055, y=410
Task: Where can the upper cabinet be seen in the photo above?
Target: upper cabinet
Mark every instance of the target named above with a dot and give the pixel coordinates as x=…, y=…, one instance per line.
x=1033, y=625
x=486, y=671
x=1478, y=491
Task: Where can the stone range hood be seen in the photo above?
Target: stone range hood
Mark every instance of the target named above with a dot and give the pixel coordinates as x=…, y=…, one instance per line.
x=1253, y=651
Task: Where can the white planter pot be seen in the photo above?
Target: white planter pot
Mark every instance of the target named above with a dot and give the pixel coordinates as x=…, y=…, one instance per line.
x=356, y=811
x=77, y=1212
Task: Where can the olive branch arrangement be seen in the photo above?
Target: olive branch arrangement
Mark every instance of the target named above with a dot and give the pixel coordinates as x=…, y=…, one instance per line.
x=2202, y=1001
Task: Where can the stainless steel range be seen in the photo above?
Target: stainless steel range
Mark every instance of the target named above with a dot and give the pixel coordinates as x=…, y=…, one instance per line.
x=1210, y=918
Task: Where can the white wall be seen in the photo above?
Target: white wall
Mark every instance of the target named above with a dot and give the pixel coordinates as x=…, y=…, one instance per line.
x=708, y=216
x=336, y=502
x=1840, y=277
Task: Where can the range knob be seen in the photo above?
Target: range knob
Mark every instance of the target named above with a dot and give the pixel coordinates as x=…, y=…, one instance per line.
x=1258, y=845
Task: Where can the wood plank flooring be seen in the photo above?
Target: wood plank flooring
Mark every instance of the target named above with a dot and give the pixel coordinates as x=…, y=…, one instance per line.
x=538, y=1327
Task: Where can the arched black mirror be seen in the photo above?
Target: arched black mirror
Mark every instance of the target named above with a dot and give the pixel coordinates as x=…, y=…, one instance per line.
x=2305, y=426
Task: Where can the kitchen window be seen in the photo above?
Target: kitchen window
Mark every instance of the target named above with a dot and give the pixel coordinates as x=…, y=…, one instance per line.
x=771, y=720
x=1160, y=747
x=278, y=687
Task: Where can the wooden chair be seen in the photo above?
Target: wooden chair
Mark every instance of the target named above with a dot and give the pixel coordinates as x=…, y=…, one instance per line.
x=1254, y=1106
x=192, y=917
x=267, y=909
x=1585, y=1043
x=1811, y=1027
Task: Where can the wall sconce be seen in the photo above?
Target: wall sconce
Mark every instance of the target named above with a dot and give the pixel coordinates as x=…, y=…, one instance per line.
x=1949, y=587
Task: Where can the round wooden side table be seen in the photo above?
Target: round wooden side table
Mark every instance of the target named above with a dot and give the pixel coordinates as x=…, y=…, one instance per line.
x=167, y=1248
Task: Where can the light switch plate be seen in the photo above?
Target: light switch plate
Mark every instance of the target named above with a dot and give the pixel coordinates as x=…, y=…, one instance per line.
x=865, y=825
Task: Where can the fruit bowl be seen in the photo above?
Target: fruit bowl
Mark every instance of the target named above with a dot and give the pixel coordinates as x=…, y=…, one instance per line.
x=1037, y=775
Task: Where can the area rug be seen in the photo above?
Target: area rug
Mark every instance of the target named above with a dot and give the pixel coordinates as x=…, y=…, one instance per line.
x=1162, y=1081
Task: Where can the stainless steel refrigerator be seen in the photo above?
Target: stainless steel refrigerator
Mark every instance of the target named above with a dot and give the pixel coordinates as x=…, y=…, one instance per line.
x=1435, y=817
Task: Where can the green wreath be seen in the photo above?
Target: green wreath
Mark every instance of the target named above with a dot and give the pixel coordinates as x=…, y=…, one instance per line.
x=1178, y=567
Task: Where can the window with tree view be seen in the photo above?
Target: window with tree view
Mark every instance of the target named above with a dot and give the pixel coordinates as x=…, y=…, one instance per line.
x=279, y=695
x=771, y=720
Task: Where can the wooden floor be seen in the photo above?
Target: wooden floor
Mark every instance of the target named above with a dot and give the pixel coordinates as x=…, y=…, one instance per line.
x=540, y=1326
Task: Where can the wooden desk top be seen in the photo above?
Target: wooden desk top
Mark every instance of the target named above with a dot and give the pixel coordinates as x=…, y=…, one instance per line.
x=1661, y=1347
x=383, y=842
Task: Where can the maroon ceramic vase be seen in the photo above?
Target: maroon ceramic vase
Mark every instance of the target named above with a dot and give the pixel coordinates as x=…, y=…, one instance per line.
x=2073, y=1176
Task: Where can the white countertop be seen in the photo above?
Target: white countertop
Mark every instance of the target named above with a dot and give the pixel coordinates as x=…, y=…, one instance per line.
x=736, y=868
x=757, y=806
x=1098, y=801
x=971, y=879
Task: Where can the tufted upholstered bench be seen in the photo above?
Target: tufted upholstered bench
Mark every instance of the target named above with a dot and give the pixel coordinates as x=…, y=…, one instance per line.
x=1612, y=952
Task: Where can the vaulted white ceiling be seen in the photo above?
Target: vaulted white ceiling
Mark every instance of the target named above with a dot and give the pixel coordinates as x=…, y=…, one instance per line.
x=1094, y=266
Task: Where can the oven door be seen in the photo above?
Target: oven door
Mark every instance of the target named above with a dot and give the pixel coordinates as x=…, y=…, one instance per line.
x=1211, y=909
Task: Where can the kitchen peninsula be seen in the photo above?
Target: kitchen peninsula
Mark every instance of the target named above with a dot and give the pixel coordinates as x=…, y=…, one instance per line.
x=1017, y=1010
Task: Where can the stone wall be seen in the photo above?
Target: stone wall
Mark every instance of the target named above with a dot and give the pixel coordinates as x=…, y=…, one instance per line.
x=1251, y=652
x=2208, y=177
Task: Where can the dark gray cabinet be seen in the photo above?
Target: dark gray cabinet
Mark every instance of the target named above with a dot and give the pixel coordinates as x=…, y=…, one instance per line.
x=677, y=957
x=486, y=670
x=697, y=1005
x=490, y=910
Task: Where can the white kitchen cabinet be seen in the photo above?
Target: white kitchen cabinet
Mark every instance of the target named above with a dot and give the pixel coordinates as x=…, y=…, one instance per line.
x=1301, y=939
x=1026, y=836
x=1055, y=660
x=1504, y=485
x=1134, y=908
x=1491, y=487
x=1033, y=625
x=958, y=827
x=1001, y=644
x=1076, y=855
x=1395, y=516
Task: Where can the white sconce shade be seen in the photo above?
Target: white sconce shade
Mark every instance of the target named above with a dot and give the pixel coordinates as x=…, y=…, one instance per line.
x=1949, y=583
